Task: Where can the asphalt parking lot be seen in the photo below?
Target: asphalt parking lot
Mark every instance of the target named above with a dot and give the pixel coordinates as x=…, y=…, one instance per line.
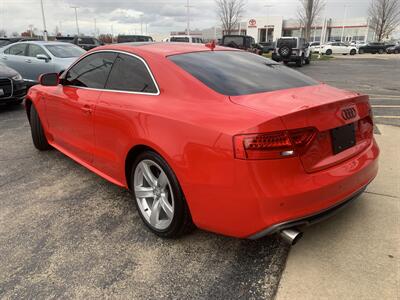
x=67, y=233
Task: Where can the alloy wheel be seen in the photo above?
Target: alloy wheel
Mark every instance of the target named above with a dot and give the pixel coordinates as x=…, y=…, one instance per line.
x=154, y=194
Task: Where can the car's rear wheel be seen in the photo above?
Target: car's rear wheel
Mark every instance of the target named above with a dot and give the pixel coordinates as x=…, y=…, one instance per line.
x=328, y=52
x=38, y=137
x=353, y=52
x=159, y=197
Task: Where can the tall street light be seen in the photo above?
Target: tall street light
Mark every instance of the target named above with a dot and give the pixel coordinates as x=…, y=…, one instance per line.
x=76, y=18
x=188, y=17
x=344, y=21
x=44, y=22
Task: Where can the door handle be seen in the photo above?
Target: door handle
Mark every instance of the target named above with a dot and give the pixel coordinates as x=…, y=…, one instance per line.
x=28, y=60
x=87, y=109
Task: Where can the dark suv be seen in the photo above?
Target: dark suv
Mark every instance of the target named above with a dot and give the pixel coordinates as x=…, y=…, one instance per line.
x=292, y=49
x=134, y=38
x=243, y=42
x=85, y=42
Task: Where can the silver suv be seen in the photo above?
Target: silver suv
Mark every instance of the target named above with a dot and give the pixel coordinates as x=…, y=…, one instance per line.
x=292, y=49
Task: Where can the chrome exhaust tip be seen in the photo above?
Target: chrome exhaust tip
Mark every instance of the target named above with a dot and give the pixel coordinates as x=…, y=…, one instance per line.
x=291, y=236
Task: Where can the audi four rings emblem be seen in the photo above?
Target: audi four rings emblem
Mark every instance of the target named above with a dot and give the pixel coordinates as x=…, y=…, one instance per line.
x=349, y=113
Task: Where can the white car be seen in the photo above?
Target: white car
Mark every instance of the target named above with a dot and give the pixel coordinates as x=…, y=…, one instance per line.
x=314, y=47
x=186, y=39
x=337, y=48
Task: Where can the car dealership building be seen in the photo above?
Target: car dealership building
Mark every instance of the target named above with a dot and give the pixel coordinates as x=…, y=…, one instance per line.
x=264, y=29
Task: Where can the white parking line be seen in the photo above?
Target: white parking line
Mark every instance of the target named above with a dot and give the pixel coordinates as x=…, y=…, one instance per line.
x=387, y=117
x=372, y=96
x=385, y=106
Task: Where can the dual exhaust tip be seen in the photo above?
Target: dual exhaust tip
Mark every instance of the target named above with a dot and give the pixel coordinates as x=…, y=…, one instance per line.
x=291, y=235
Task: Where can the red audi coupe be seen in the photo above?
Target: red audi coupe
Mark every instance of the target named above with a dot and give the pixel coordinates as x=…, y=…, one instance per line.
x=217, y=138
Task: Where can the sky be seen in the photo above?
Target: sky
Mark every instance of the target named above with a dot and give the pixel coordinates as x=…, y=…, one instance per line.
x=161, y=16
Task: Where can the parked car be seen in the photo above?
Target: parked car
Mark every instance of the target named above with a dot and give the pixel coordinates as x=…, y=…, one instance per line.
x=7, y=41
x=358, y=44
x=337, y=48
x=134, y=38
x=393, y=49
x=186, y=39
x=292, y=49
x=31, y=59
x=267, y=47
x=12, y=86
x=229, y=141
x=85, y=42
x=243, y=42
x=374, y=47
x=314, y=47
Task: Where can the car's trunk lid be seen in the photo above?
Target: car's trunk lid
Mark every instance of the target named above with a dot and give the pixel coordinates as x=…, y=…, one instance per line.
x=319, y=106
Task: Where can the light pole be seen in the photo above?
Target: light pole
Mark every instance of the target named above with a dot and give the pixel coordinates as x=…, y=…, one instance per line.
x=268, y=6
x=344, y=21
x=76, y=18
x=188, y=17
x=141, y=24
x=44, y=22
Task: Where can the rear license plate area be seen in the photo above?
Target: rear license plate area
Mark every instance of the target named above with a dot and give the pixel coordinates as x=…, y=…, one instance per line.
x=343, y=138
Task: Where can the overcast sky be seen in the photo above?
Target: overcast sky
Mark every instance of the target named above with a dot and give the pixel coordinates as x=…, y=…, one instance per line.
x=162, y=16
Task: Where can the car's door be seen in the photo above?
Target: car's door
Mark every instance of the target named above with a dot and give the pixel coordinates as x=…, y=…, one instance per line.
x=344, y=49
x=130, y=91
x=70, y=108
x=14, y=56
x=36, y=66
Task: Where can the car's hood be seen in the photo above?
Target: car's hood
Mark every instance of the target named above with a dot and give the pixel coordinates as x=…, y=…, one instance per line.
x=6, y=71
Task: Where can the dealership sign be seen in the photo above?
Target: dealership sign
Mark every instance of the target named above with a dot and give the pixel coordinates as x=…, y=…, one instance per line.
x=252, y=23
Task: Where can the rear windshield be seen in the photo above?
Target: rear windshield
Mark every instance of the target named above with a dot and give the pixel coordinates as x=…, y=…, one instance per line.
x=236, y=73
x=292, y=43
x=180, y=39
x=65, y=51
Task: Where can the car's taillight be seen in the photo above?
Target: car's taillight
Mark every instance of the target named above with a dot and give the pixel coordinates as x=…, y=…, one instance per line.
x=273, y=145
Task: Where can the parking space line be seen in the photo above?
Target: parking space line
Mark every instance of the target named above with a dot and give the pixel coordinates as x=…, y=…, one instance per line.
x=387, y=117
x=385, y=106
x=372, y=96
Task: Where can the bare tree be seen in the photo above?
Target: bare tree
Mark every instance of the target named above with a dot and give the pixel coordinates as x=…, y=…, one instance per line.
x=308, y=12
x=230, y=12
x=384, y=17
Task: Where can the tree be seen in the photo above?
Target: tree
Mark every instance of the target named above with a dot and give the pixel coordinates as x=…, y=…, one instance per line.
x=230, y=12
x=308, y=12
x=384, y=17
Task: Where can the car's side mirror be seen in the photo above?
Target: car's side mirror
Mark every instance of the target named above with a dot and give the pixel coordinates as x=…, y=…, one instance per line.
x=49, y=79
x=43, y=57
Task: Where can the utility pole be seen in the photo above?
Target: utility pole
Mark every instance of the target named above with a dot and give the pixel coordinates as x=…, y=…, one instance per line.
x=188, y=17
x=141, y=24
x=95, y=28
x=268, y=6
x=344, y=21
x=112, y=33
x=44, y=22
x=76, y=18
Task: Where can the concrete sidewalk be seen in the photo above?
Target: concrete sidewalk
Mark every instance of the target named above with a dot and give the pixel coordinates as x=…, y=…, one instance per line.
x=354, y=255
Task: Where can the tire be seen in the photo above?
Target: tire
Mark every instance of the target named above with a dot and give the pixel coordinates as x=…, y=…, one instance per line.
x=353, y=52
x=307, y=60
x=360, y=51
x=380, y=51
x=175, y=223
x=300, y=62
x=38, y=137
x=328, y=52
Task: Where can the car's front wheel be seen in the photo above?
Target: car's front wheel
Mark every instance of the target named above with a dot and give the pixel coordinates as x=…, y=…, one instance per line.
x=328, y=52
x=353, y=52
x=159, y=197
x=38, y=137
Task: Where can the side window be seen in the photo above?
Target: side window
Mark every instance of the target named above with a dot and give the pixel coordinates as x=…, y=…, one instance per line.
x=16, y=50
x=34, y=50
x=91, y=71
x=130, y=74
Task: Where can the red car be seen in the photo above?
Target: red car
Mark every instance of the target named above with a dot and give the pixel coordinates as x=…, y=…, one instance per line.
x=222, y=139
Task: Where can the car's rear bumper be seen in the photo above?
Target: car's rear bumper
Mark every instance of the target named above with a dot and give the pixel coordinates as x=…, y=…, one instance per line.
x=258, y=197
x=311, y=219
